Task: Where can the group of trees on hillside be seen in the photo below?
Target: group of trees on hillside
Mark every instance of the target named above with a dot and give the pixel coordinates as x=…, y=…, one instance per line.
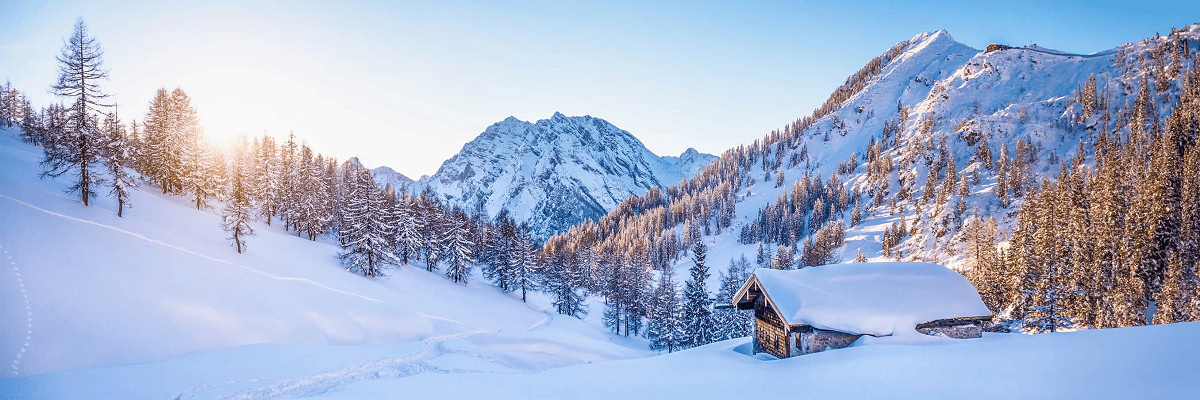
x=292, y=186
x=1105, y=243
x=912, y=176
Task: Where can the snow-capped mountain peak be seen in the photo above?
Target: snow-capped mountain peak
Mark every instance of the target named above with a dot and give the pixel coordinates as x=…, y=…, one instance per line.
x=553, y=173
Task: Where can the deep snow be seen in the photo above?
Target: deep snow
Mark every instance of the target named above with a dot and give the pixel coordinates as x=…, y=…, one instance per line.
x=157, y=305
x=880, y=298
x=87, y=289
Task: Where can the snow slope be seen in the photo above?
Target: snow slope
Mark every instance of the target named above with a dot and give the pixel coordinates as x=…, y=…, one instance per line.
x=1143, y=362
x=553, y=173
x=83, y=288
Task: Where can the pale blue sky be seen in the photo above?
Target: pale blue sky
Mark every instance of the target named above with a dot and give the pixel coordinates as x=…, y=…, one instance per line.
x=407, y=84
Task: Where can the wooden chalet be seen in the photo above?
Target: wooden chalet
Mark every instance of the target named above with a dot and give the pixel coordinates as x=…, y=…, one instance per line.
x=827, y=307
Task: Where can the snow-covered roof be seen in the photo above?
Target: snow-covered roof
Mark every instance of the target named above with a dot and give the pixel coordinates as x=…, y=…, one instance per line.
x=869, y=298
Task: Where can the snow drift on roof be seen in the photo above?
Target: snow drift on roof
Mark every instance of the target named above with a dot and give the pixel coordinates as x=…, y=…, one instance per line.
x=871, y=298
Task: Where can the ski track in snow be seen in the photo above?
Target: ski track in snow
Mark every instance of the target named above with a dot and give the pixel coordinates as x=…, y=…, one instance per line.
x=16, y=364
x=546, y=317
x=388, y=368
x=181, y=249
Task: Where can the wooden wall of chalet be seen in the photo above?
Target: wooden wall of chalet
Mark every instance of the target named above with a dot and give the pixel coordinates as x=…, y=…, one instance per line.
x=770, y=335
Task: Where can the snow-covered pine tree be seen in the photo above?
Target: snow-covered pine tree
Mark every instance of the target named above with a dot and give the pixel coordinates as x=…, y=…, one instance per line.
x=500, y=252
x=409, y=236
x=289, y=181
x=431, y=220
x=665, y=330
x=732, y=323
x=697, y=305
x=156, y=127
x=366, y=247
x=524, y=262
x=201, y=180
x=562, y=279
x=182, y=145
x=78, y=145
x=117, y=153
x=1046, y=284
x=638, y=288
x=236, y=216
x=614, y=291
x=985, y=264
x=266, y=178
x=459, y=247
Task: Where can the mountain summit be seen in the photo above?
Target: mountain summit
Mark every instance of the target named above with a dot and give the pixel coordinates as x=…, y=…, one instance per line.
x=554, y=173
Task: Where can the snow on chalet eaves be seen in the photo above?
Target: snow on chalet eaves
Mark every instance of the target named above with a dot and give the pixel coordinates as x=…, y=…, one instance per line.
x=877, y=299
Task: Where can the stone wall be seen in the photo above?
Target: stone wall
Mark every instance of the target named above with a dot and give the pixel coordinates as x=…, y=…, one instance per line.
x=820, y=340
x=964, y=331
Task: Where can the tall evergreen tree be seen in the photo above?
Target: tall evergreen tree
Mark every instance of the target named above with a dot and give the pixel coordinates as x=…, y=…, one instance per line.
x=731, y=323
x=697, y=305
x=366, y=247
x=118, y=153
x=666, y=330
x=78, y=145
x=524, y=262
x=236, y=216
x=459, y=248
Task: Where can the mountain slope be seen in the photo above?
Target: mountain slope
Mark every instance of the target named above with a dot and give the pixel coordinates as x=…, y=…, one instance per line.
x=553, y=173
x=887, y=139
x=691, y=161
x=82, y=288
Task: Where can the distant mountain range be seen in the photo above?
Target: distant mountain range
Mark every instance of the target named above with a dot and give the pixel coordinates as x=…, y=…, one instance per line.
x=551, y=174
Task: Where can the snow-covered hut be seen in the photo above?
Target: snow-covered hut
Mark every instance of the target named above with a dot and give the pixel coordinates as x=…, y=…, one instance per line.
x=818, y=308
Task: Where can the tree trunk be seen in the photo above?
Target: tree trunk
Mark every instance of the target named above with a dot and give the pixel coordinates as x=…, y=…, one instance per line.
x=83, y=176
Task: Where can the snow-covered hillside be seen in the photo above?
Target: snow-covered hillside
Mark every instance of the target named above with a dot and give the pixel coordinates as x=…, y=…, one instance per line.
x=942, y=97
x=938, y=98
x=83, y=288
x=551, y=174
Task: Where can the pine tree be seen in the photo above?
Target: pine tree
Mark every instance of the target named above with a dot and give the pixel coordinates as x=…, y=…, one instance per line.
x=459, y=247
x=697, y=305
x=615, y=295
x=366, y=244
x=1178, y=292
x=78, y=145
x=236, y=216
x=666, y=330
x=409, y=237
x=201, y=178
x=500, y=253
x=784, y=257
x=118, y=153
x=563, y=280
x=524, y=262
x=184, y=149
x=266, y=178
x=732, y=323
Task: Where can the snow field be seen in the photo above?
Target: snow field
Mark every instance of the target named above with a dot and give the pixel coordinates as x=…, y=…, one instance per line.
x=16, y=363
